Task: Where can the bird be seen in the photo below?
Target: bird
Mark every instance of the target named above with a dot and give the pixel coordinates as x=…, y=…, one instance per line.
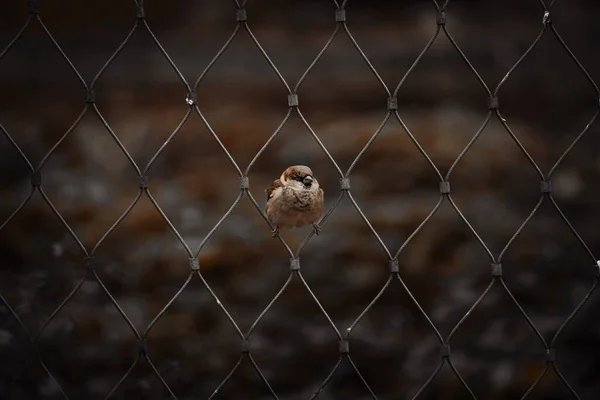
x=294, y=200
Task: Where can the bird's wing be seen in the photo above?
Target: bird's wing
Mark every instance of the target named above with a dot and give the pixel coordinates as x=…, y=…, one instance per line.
x=276, y=184
x=321, y=198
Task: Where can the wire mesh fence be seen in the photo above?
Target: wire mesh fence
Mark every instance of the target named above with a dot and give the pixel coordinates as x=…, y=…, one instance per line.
x=439, y=17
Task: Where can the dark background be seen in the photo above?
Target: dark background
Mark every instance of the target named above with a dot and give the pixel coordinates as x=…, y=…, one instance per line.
x=88, y=346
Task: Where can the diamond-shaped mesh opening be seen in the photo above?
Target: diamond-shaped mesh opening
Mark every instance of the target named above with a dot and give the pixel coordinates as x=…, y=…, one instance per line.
x=170, y=251
x=228, y=86
x=546, y=91
x=499, y=180
x=43, y=109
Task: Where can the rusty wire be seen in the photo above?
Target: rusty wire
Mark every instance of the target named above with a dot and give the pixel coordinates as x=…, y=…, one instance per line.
x=439, y=18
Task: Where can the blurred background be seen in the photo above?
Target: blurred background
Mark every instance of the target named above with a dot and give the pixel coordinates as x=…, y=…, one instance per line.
x=88, y=346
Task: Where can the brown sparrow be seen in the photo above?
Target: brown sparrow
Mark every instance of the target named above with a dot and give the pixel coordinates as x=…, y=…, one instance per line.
x=294, y=200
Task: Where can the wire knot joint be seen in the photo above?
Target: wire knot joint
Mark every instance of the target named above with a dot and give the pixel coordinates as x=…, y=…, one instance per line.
x=194, y=264
x=32, y=7
x=493, y=103
x=392, y=103
x=340, y=15
x=295, y=264
x=90, y=263
x=497, y=269
x=240, y=15
x=190, y=99
x=36, y=178
x=245, y=346
x=345, y=183
x=445, y=351
x=546, y=187
x=394, y=266
x=90, y=96
x=445, y=187
x=140, y=12
x=546, y=18
x=293, y=100
x=441, y=18
x=344, y=347
x=143, y=181
x=142, y=346
x=244, y=183
x=550, y=355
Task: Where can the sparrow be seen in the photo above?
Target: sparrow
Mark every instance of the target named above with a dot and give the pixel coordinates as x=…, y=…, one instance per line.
x=294, y=200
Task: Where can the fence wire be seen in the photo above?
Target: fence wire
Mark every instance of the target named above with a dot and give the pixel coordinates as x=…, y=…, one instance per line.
x=439, y=17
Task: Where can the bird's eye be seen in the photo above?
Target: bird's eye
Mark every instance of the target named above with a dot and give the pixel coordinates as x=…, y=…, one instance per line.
x=298, y=178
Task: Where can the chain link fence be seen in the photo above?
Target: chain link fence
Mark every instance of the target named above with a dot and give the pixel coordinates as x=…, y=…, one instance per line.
x=367, y=372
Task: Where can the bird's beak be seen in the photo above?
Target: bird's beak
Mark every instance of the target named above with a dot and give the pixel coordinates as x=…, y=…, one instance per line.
x=308, y=180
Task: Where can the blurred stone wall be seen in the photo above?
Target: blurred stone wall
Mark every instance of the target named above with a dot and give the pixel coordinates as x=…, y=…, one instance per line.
x=546, y=101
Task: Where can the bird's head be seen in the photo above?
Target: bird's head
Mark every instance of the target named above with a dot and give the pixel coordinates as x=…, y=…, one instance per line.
x=299, y=177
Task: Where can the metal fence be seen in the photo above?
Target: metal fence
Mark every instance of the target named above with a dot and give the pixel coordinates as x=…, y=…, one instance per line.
x=440, y=16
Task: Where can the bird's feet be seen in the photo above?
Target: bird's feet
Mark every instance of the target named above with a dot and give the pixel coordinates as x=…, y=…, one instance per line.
x=275, y=232
x=317, y=229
